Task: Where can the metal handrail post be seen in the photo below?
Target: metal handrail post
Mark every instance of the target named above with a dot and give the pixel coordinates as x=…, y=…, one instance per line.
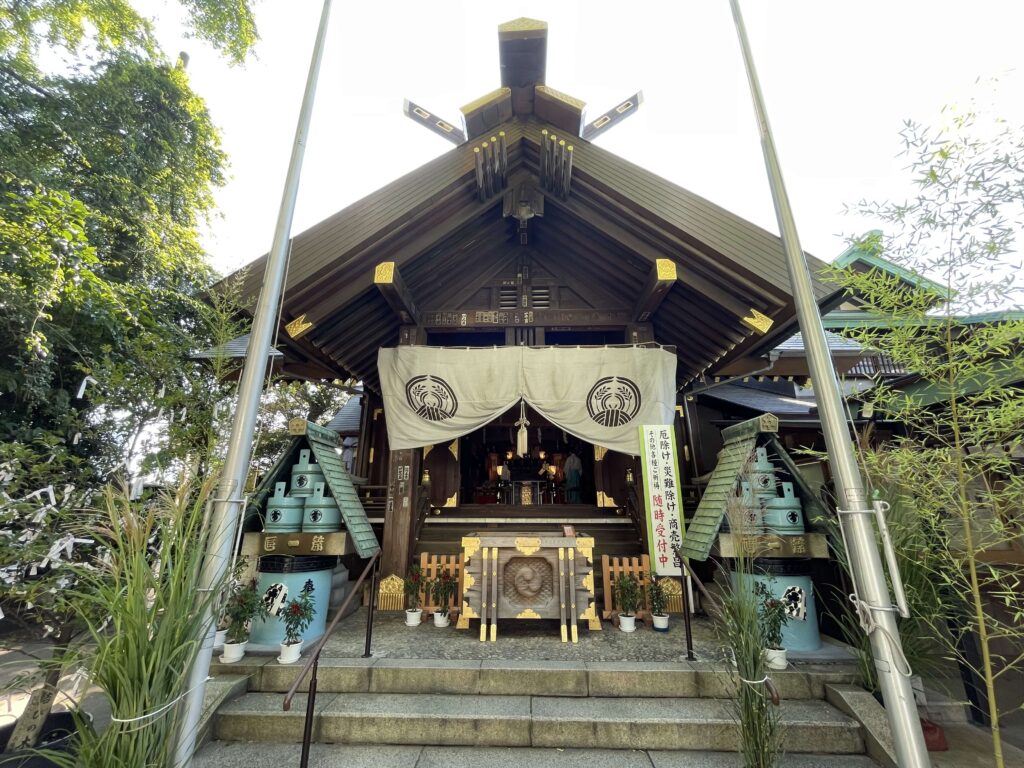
x=307, y=728
x=372, y=603
x=687, y=627
x=315, y=657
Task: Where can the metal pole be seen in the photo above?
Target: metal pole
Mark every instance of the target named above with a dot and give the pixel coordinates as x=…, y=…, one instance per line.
x=865, y=562
x=236, y=464
x=307, y=728
x=371, y=605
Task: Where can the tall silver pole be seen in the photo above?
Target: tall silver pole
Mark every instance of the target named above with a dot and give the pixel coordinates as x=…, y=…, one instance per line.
x=230, y=496
x=865, y=562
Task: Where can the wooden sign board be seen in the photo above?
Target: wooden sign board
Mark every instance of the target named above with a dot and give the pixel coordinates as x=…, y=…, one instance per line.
x=338, y=543
x=814, y=545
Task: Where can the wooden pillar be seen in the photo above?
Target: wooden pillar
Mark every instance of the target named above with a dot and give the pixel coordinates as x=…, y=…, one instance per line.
x=361, y=465
x=403, y=483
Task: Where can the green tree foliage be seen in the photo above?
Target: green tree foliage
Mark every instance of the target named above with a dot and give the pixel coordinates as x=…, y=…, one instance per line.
x=955, y=470
x=116, y=25
x=109, y=173
x=106, y=173
x=287, y=400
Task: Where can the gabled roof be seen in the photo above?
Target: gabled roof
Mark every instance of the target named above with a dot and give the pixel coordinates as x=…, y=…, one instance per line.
x=346, y=421
x=237, y=347
x=617, y=220
x=762, y=400
x=619, y=243
x=863, y=255
x=837, y=345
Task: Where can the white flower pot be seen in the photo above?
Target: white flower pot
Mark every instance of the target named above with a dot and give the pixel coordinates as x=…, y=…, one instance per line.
x=290, y=653
x=413, y=617
x=441, y=620
x=219, y=637
x=233, y=652
x=660, y=622
x=775, y=658
x=627, y=623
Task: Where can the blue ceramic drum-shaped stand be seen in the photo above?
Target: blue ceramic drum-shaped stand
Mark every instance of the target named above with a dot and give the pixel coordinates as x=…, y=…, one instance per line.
x=280, y=579
x=306, y=474
x=284, y=513
x=321, y=514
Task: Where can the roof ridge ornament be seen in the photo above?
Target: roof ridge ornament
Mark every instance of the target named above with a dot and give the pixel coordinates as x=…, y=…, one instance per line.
x=522, y=53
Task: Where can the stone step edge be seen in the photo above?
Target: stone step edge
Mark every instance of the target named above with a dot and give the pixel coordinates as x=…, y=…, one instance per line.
x=709, y=680
x=515, y=723
x=219, y=691
x=219, y=754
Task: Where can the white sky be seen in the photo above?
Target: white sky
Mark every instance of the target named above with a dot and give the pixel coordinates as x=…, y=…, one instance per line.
x=838, y=78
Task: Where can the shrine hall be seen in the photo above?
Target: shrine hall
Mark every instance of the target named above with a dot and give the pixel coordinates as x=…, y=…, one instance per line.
x=517, y=312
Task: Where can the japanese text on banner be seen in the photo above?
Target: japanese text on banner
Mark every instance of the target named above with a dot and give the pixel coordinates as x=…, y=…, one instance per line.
x=662, y=497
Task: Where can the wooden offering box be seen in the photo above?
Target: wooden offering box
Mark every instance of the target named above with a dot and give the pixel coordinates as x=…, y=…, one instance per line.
x=528, y=576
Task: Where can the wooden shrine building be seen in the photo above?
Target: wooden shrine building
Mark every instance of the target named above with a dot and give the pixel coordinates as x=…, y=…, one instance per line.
x=525, y=233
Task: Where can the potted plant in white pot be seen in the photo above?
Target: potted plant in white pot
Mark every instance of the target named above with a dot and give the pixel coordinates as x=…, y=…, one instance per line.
x=627, y=597
x=773, y=618
x=442, y=590
x=297, y=616
x=414, y=584
x=659, y=605
x=233, y=584
x=243, y=606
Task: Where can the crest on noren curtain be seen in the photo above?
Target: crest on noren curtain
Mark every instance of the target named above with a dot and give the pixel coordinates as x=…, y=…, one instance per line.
x=613, y=401
x=431, y=398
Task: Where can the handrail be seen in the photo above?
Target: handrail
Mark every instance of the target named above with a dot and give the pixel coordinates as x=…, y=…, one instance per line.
x=314, y=660
x=634, y=509
x=422, y=509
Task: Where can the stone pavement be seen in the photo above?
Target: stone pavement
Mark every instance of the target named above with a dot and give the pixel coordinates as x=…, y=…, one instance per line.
x=242, y=755
x=533, y=641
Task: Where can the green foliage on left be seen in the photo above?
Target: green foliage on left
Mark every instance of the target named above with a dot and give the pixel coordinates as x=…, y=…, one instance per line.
x=106, y=174
x=25, y=25
x=145, y=614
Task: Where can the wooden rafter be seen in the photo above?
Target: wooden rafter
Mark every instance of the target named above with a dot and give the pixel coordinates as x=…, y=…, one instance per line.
x=663, y=276
x=389, y=282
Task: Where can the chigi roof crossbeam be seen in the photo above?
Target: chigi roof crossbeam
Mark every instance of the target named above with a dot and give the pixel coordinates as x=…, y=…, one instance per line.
x=522, y=52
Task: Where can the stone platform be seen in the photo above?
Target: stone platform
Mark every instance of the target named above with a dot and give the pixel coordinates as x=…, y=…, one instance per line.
x=537, y=640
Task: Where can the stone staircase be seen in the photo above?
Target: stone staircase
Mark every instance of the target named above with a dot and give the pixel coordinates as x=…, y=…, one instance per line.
x=532, y=704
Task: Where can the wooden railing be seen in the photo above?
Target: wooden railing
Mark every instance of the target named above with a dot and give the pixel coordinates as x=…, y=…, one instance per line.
x=640, y=569
x=433, y=565
x=422, y=509
x=635, y=509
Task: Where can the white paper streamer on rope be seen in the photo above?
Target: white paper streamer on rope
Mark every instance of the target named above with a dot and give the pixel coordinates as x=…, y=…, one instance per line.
x=39, y=516
x=48, y=490
x=85, y=382
x=522, y=438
